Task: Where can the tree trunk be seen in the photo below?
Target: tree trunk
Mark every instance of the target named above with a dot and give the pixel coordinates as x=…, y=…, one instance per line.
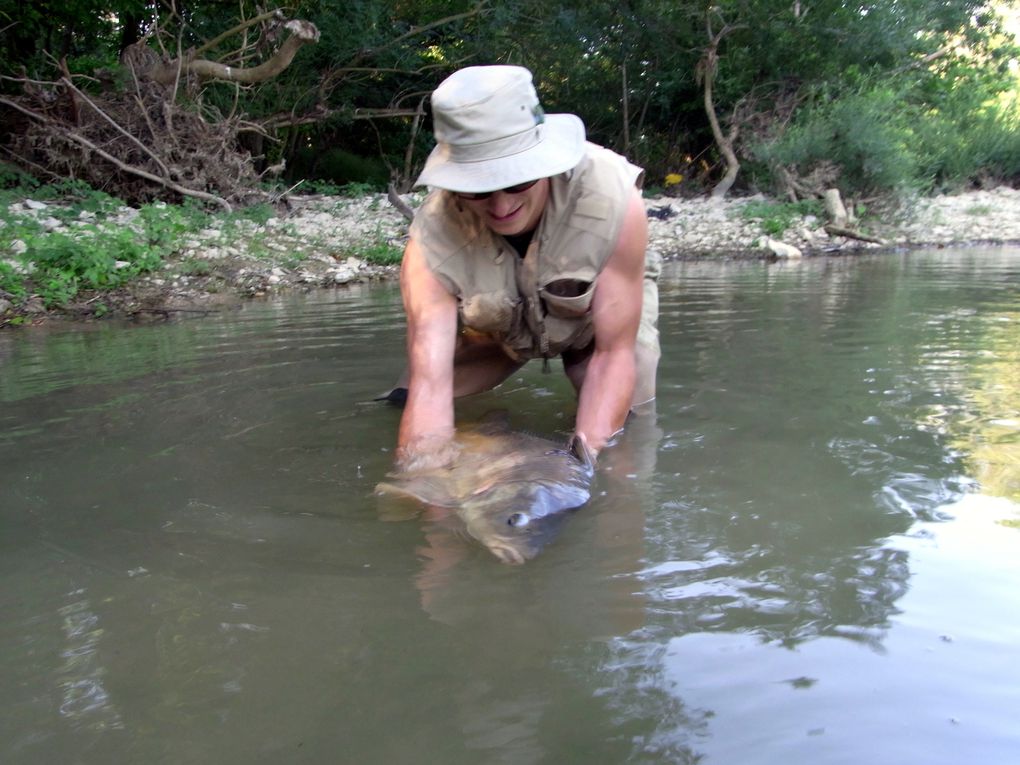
x=707, y=68
x=725, y=144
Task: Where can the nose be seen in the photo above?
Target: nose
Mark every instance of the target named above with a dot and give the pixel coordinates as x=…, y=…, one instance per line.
x=501, y=203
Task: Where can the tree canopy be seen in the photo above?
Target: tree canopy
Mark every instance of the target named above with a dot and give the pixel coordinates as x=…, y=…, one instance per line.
x=787, y=96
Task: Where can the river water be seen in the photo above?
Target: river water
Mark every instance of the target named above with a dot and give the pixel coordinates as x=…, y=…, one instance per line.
x=811, y=554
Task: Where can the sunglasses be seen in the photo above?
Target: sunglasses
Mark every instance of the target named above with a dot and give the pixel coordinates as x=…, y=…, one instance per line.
x=476, y=195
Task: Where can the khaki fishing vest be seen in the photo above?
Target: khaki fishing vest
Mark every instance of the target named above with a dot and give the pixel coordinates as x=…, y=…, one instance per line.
x=538, y=305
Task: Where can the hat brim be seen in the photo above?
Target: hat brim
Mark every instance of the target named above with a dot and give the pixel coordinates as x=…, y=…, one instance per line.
x=560, y=148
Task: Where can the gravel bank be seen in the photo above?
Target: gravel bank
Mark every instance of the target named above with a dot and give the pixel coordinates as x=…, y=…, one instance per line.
x=323, y=241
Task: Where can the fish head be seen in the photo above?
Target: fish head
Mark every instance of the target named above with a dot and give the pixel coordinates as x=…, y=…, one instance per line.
x=516, y=519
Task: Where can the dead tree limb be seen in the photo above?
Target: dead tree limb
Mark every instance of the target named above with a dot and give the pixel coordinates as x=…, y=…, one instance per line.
x=302, y=33
x=71, y=135
x=849, y=233
x=67, y=82
x=706, y=72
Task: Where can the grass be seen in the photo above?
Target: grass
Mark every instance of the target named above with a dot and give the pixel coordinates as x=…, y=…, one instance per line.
x=85, y=240
x=380, y=253
x=776, y=217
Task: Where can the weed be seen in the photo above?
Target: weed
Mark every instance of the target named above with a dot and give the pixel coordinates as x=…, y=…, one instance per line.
x=776, y=217
x=11, y=281
x=195, y=267
x=317, y=186
x=357, y=189
x=380, y=252
x=979, y=210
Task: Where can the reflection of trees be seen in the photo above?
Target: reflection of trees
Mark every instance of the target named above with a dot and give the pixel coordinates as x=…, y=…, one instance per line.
x=986, y=427
x=815, y=412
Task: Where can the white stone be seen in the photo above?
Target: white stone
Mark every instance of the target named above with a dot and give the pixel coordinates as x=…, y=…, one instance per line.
x=18, y=247
x=341, y=275
x=32, y=204
x=781, y=249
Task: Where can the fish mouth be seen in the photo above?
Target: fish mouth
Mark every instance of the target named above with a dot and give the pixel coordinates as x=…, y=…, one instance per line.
x=506, y=553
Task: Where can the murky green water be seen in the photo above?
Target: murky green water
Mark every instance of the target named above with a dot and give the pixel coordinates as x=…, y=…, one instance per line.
x=812, y=555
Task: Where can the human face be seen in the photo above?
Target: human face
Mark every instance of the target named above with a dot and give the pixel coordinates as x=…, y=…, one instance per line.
x=510, y=214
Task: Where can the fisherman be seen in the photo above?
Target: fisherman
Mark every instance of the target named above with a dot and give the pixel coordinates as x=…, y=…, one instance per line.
x=531, y=244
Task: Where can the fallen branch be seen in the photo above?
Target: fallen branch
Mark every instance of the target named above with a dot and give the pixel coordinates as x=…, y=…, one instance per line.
x=833, y=230
x=840, y=219
x=302, y=32
x=70, y=135
x=116, y=126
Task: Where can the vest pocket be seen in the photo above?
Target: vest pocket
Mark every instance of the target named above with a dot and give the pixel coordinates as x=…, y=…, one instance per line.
x=567, y=298
x=494, y=313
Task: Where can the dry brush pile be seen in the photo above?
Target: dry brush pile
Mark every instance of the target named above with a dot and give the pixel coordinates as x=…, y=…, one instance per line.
x=139, y=132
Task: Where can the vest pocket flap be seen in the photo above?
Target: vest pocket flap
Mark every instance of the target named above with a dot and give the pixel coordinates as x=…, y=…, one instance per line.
x=593, y=207
x=490, y=312
x=567, y=298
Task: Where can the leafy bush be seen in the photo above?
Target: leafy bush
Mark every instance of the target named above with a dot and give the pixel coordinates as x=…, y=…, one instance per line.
x=886, y=138
x=341, y=168
x=867, y=135
x=958, y=150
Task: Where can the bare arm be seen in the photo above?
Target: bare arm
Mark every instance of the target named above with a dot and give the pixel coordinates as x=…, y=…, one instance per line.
x=426, y=426
x=616, y=313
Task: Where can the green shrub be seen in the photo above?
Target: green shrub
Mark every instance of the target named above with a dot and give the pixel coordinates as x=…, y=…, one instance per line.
x=892, y=138
x=11, y=282
x=867, y=135
x=776, y=217
x=340, y=167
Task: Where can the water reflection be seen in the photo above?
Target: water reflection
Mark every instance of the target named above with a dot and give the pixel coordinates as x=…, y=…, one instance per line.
x=794, y=559
x=85, y=700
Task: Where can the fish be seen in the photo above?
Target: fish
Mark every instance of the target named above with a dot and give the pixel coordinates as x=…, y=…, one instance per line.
x=511, y=490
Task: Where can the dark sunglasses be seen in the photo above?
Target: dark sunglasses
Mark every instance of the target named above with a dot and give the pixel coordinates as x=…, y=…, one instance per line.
x=476, y=195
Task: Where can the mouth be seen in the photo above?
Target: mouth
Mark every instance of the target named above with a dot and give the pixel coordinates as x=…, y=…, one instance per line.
x=504, y=218
x=507, y=554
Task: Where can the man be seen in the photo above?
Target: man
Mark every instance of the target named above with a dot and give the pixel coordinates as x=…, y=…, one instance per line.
x=531, y=244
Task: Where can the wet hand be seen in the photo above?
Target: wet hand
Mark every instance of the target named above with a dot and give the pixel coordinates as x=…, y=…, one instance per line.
x=426, y=453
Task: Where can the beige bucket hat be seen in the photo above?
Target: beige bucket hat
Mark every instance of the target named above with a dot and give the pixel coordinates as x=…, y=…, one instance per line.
x=491, y=132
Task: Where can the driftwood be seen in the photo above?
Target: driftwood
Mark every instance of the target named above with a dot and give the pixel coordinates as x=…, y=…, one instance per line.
x=840, y=219
x=849, y=233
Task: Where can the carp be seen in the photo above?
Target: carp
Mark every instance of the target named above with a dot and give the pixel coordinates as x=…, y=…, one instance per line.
x=510, y=490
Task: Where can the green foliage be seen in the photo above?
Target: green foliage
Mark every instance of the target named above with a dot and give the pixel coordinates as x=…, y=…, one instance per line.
x=12, y=177
x=93, y=250
x=11, y=281
x=342, y=168
x=380, y=251
x=856, y=85
x=868, y=136
x=891, y=136
x=776, y=217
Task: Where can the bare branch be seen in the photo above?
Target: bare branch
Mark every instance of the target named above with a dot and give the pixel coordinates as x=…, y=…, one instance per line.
x=243, y=26
x=116, y=126
x=302, y=32
x=72, y=136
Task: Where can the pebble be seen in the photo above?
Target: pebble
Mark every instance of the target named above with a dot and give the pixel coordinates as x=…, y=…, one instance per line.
x=324, y=233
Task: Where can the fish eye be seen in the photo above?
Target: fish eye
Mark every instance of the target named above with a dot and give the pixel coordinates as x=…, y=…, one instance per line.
x=518, y=520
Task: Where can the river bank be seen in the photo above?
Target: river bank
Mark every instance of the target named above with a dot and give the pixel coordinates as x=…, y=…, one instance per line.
x=316, y=242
